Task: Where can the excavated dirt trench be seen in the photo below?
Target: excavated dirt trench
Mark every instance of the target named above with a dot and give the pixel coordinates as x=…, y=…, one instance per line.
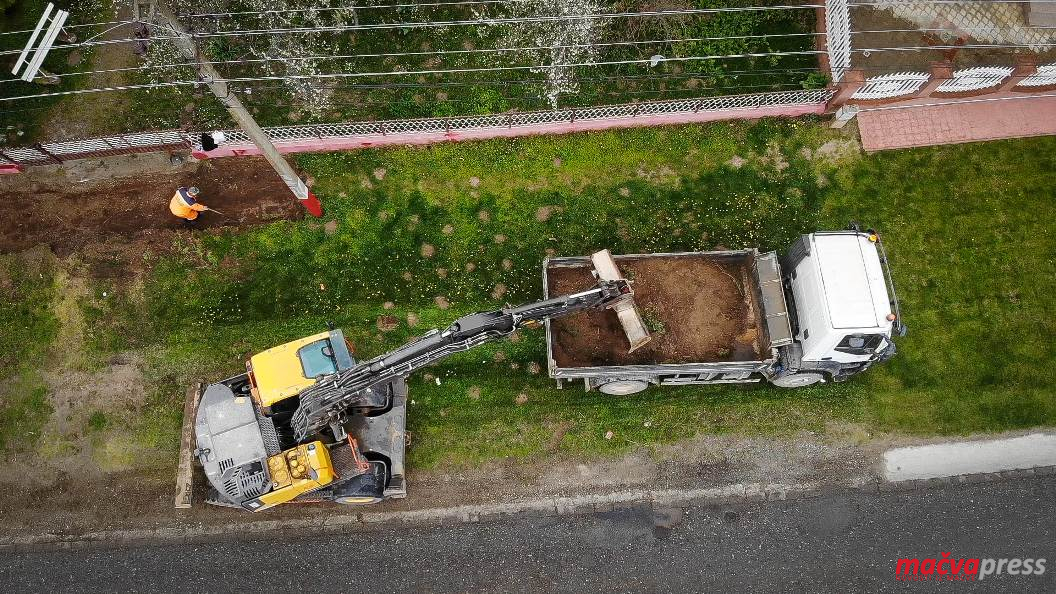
x=66, y=213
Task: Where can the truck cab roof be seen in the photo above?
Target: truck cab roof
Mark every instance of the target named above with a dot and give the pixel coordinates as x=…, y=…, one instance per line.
x=854, y=290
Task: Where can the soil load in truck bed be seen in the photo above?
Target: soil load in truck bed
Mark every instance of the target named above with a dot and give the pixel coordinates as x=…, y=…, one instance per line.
x=699, y=308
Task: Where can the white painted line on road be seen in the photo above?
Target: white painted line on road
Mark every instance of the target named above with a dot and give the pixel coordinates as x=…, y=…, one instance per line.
x=970, y=457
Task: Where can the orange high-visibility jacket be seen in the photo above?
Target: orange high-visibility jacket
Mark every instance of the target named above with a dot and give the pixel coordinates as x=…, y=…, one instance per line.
x=184, y=205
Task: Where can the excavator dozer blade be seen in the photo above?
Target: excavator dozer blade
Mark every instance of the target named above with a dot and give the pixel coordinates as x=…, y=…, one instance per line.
x=627, y=312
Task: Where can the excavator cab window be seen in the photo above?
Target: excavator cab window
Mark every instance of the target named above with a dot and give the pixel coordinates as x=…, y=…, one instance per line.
x=317, y=358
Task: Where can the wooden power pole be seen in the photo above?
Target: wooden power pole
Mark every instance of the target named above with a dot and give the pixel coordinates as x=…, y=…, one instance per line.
x=185, y=42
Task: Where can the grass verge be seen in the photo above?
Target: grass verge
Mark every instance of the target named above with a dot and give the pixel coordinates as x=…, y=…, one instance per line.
x=414, y=237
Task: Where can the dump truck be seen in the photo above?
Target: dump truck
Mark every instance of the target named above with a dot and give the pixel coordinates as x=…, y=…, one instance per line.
x=825, y=311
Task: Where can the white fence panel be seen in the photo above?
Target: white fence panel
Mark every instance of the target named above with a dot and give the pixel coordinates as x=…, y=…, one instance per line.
x=628, y=111
x=838, y=37
x=887, y=86
x=1045, y=76
x=974, y=79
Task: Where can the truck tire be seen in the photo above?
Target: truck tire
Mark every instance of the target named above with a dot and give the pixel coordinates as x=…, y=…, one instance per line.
x=622, y=387
x=796, y=380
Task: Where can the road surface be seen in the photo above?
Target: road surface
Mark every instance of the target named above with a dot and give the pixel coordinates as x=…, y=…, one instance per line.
x=843, y=542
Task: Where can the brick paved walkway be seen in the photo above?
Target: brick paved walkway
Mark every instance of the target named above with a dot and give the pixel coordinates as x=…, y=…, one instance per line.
x=926, y=124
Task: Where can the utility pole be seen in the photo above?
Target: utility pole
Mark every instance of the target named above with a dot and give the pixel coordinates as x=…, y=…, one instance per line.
x=209, y=75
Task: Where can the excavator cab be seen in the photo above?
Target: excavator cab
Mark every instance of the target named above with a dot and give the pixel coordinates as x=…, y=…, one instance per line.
x=287, y=370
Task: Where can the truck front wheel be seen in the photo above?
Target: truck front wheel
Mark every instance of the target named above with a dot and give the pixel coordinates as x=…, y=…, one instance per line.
x=622, y=387
x=796, y=380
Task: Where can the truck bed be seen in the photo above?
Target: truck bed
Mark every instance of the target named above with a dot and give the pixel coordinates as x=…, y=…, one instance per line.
x=700, y=308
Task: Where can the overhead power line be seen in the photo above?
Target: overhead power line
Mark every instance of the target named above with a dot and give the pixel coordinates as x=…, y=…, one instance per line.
x=499, y=68
x=335, y=75
x=492, y=2
x=533, y=48
x=360, y=7
x=437, y=52
x=488, y=22
x=252, y=99
x=329, y=75
x=485, y=22
x=100, y=24
x=497, y=2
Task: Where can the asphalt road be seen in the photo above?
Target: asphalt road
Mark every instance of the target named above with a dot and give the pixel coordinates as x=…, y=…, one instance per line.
x=838, y=543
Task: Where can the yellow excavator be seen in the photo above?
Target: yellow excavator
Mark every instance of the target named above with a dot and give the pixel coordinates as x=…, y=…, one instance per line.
x=308, y=422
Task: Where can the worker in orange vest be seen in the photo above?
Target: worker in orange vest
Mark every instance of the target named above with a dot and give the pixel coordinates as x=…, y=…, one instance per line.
x=185, y=205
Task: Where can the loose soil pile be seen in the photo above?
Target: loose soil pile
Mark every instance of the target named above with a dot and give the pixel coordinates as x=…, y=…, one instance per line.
x=697, y=308
x=68, y=216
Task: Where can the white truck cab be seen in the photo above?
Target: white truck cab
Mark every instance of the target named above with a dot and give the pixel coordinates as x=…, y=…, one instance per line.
x=844, y=315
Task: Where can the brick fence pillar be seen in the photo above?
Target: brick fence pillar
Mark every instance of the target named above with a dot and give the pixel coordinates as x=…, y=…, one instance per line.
x=940, y=73
x=852, y=81
x=1025, y=65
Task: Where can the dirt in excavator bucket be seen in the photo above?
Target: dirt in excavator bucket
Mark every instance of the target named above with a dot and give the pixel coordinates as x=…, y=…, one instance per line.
x=699, y=309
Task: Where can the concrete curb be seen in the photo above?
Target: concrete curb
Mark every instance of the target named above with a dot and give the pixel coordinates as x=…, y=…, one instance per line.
x=737, y=494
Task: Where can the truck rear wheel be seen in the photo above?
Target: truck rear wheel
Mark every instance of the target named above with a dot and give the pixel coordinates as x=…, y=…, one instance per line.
x=796, y=380
x=623, y=387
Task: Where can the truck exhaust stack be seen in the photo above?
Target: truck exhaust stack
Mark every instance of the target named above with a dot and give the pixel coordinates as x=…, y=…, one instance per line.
x=627, y=312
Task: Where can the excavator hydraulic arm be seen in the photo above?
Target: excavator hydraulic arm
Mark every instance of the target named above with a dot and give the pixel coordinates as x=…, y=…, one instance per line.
x=332, y=397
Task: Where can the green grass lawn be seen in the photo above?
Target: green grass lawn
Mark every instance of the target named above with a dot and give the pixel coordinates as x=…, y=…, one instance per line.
x=968, y=229
x=26, y=291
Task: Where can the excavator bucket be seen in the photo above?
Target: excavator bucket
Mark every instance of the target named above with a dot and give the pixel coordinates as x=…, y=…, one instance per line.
x=627, y=312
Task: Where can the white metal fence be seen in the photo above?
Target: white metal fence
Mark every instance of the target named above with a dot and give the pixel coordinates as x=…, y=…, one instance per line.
x=887, y=86
x=838, y=37
x=974, y=79
x=538, y=119
x=59, y=152
x=1044, y=77
x=652, y=112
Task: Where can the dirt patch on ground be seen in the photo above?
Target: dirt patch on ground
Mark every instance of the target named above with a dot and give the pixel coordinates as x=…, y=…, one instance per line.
x=50, y=209
x=75, y=395
x=696, y=307
x=834, y=151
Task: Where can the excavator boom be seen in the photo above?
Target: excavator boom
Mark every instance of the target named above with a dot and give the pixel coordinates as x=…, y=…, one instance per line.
x=329, y=401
